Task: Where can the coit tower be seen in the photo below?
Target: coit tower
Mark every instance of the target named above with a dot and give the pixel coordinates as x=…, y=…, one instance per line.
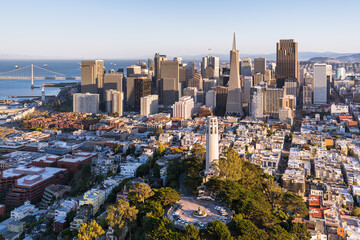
x=212, y=143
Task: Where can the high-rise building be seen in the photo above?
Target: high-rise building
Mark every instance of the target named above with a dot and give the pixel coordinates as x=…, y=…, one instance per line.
x=320, y=83
x=258, y=78
x=234, y=98
x=247, y=84
x=114, y=101
x=170, y=87
x=307, y=95
x=149, y=105
x=200, y=97
x=211, y=99
x=259, y=65
x=113, y=81
x=86, y=102
x=210, y=67
x=287, y=65
x=133, y=69
x=196, y=81
x=272, y=101
x=183, y=108
x=246, y=67
x=302, y=74
x=158, y=59
x=191, y=92
x=329, y=81
x=290, y=87
x=212, y=144
x=137, y=86
x=209, y=83
x=221, y=99
x=92, y=72
x=256, y=108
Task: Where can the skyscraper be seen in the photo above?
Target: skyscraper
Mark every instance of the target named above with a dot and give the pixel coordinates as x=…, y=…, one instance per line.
x=287, y=65
x=114, y=101
x=210, y=67
x=320, y=83
x=272, y=101
x=196, y=81
x=246, y=67
x=170, y=87
x=212, y=144
x=92, y=72
x=113, y=81
x=137, y=86
x=234, y=99
x=259, y=65
x=256, y=108
x=158, y=59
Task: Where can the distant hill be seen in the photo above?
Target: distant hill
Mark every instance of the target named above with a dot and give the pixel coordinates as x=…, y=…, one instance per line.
x=324, y=59
x=351, y=58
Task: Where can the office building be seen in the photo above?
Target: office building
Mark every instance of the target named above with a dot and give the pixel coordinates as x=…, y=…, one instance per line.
x=92, y=72
x=320, y=83
x=302, y=75
x=234, y=98
x=149, y=105
x=259, y=65
x=158, y=59
x=133, y=69
x=258, y=78
x=246, y=67
x=183, y=108
x=113, y=81
x=288, y=101
x=196, y=80
x=290, y=87
x=86, y=103
x=137, y=86
x=170, y=86
x=200, y=97
x=210, y=100
x=191, y=92
x=221, y=100
x=256, y=108
x=209, y=83
x=210, y=67
x=272, y=101
x=329, y=81
x=287, y=65
x=307, y=95
x=114, y=101
x=212, y=145
x=247, y=84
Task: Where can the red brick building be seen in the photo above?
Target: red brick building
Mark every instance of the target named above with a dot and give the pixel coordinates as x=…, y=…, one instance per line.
x=28, y=183
x=46, y=161
x=2, y=210
x=72, y=162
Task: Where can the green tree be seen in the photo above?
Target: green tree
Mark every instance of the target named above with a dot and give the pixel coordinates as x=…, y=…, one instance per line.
x=89, y=231
x=120, y=213
x=191, y=233
x=295, y=204
x=356, y=212
x=218, y=230
x=245, y=230
x=163, y=231
x=166, y=196
x=139, y=192
x=231, y=165
x=300, y=231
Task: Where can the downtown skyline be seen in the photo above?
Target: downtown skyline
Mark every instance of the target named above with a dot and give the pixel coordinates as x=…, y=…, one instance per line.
x=111, y=30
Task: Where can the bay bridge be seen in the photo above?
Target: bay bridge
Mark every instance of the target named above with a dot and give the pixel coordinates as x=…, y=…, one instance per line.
x=34, y=72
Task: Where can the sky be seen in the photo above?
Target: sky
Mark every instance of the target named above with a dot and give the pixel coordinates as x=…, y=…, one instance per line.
x=126, y=29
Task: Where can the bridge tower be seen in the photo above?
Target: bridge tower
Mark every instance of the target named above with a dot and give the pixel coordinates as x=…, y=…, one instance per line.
x=32, y=76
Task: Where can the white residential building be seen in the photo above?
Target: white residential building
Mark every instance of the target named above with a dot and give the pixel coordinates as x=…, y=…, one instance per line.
x=23, y=211
x=149, y=105
x=86, y=103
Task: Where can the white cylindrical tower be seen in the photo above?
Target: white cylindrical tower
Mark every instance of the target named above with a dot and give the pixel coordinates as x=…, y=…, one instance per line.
x=43, y=94
x=212, y=143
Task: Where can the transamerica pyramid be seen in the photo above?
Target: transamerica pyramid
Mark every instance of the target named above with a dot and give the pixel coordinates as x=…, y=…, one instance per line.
x=234, y=98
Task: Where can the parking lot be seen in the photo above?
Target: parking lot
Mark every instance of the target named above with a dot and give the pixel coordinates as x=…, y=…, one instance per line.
x=183, y=214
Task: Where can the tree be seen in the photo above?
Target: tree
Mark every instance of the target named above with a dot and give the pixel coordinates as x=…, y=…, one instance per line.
x=161, y=149
x=300, y=231
x=166, y=196
x=273, y=192
x=231, y=165
x=246, y=230
x=139, y=192
x=163, y=231
x=120, y=213
x=159, y=131
x=90, y=231
x=191, y=233
x=294, y=204
x=356, y=212
x=218, y=230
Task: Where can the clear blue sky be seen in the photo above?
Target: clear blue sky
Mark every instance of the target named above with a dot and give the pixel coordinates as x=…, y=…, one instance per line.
x=134, y=29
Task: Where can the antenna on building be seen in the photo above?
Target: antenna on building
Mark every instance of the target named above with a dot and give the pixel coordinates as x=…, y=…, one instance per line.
x=210, y=52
